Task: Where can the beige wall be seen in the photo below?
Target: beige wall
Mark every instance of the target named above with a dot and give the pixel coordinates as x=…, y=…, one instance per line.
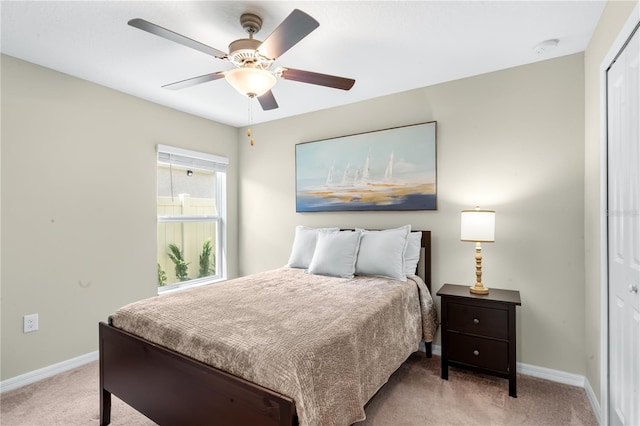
x=613, y=18
x=69, y=254
x=514, y=140
x=511, y=140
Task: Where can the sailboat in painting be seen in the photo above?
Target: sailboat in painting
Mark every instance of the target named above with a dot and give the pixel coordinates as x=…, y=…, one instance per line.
x=364, y=179
x=388, y=173
x=346, y=175
x=330, y=175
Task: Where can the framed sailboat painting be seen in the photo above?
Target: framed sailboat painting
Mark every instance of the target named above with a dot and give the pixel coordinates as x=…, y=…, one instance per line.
x=391, y=169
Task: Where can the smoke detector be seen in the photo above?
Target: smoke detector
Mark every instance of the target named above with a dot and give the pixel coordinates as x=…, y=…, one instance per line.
x=546, y=46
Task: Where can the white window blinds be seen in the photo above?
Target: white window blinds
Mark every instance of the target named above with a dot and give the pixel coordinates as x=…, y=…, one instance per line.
x=191, y=159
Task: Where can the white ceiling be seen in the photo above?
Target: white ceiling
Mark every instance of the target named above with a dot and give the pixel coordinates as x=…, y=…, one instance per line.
x=386, y=46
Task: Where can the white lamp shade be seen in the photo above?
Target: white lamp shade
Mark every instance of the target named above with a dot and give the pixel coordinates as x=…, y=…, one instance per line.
x=478, y=225
x=250, y=81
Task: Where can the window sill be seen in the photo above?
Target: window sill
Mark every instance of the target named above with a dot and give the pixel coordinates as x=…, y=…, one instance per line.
x=185, y=286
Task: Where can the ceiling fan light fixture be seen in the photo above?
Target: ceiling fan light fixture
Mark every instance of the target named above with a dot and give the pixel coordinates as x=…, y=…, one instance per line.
x=250, y=81
x=252, y=58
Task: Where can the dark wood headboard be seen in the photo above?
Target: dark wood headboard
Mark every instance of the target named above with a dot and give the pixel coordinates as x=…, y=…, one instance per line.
x=426, y=258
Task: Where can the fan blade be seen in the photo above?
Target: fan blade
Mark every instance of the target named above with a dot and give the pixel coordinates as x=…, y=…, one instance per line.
x=294, y=28
x=317, y=78
x=193, y=81
x=175, y=37
x=267, y=101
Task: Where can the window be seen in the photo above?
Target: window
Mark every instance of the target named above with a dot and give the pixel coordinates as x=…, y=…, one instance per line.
x=191, y=208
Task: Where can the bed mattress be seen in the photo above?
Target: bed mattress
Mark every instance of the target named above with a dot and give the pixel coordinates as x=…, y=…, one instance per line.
x=329, y=343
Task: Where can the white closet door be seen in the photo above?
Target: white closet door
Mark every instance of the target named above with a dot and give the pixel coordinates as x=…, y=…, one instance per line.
x=623, y=128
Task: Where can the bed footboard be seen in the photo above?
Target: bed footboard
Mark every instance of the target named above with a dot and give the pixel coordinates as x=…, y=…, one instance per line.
x=170, y=388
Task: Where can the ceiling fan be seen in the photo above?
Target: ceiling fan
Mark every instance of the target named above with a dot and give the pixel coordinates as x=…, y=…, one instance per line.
x=253, y=58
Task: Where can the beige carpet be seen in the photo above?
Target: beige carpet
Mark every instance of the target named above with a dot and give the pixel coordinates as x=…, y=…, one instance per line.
x=415, y=395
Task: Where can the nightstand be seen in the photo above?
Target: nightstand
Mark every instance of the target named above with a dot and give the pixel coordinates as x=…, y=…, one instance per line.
x=479, y=331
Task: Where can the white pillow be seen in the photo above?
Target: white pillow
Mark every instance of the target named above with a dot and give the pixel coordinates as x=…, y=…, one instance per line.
x=304, y=244
x=412, y=252
x=336, y=254
x=382, y=253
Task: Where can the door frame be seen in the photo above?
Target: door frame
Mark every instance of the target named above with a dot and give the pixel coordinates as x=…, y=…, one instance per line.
x=614, y=50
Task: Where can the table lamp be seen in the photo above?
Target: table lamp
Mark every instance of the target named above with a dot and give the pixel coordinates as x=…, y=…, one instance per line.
x=478, y=226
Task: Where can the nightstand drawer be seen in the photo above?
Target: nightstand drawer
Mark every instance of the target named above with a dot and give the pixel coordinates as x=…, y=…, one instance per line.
x=479, y=352
x=478, y=320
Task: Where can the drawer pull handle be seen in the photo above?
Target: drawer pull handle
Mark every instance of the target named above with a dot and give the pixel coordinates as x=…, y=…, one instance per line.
x=476, y=352
x=476, y=321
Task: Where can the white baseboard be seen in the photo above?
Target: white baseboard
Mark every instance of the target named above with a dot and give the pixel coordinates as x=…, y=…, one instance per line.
x=436, y=349
x=43, y=373
x=550, y=374
x=593, y=400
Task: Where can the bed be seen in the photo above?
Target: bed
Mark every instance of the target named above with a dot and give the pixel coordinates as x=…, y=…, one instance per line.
x=321, y=348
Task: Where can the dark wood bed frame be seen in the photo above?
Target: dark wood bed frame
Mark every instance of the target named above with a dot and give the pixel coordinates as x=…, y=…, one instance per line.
x=172, y=389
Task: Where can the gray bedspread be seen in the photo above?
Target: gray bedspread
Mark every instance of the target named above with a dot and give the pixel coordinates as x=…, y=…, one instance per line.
x=328, y=343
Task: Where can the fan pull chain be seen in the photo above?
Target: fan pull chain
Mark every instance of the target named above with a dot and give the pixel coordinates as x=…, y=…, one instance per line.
x=250, y=119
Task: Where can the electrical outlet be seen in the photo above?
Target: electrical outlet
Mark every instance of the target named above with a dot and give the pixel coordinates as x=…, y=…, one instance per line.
x=30, y=323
